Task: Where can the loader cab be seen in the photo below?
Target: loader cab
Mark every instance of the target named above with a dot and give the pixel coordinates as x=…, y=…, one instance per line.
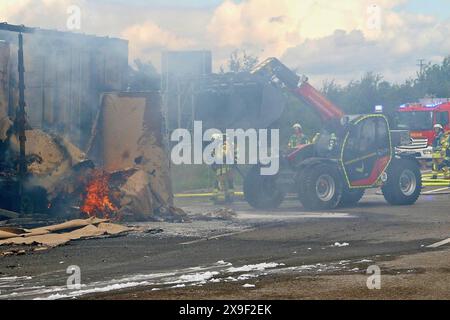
x=331, y=138
x=366, y=150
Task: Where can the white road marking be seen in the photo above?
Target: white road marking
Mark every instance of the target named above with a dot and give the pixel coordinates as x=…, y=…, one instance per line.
x=248, y=215
x=216, y=237
x=436, y=190
x=439, y=244
x=274, y=216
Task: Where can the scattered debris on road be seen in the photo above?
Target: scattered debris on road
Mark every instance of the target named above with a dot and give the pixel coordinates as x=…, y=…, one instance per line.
x=60, y=234
x=217, y=214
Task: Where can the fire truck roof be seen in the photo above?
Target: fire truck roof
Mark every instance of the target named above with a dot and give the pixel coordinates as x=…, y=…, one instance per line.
x=435, y=106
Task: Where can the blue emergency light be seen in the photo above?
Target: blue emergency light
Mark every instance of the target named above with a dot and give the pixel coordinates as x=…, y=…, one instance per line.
x=433, y=105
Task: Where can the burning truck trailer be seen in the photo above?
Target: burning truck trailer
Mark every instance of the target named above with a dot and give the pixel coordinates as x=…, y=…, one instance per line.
x=69, y=156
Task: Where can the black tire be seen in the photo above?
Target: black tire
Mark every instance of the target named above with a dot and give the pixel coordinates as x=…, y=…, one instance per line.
x=320, y=187
x=260, y=191
x=351, y=197
x=404, y=182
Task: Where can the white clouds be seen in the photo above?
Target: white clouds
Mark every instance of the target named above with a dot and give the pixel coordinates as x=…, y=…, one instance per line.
x=348, y=55
x=341, y=56
x=332, y=39
x=274, y=26
x=148, y=30
x=303, y=32
x=42, y=13
x=149, y=37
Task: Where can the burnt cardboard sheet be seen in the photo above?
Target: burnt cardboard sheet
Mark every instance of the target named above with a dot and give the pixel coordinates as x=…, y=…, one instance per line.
x=60, y=234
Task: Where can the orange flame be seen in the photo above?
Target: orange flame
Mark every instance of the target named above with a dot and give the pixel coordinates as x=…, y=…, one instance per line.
x=97, y=202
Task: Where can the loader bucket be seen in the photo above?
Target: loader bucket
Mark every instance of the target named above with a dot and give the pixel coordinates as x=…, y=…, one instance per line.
x=250, y=104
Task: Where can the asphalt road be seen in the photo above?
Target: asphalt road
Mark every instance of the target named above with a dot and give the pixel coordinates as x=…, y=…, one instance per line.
x=209, y=250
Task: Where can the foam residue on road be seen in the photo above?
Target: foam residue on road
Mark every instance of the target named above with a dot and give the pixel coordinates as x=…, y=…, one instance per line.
x=255, y=267
x=331, y=267
x=221, y=271
x=340, y=245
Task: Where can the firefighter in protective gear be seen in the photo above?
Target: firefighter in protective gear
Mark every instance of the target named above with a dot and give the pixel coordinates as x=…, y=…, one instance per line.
x=298, y=138
x=224, y=179
x=441, y=152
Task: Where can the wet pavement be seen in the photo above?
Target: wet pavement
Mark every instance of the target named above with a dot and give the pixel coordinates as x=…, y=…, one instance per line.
x=248, y=245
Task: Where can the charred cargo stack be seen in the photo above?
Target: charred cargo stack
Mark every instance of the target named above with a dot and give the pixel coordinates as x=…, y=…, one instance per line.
x=4, y=81
x=75, y=102
x=65, y=76
x=127, y=139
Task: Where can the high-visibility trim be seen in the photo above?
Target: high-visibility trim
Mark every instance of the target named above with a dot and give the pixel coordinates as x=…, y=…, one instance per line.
x=436, y=184
x=374, y=183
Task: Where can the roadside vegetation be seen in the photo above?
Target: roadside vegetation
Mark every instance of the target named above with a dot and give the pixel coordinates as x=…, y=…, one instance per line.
x=360, y=96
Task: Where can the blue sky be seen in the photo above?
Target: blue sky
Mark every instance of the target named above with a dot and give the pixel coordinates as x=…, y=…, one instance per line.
x=439, y=8
x=171, y=3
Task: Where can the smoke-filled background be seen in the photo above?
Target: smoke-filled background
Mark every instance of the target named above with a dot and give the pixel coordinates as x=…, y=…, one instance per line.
x=360, y=53
x=325, y=39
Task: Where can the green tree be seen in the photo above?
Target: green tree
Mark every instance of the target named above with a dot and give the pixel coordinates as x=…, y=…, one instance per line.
x=435, y=80
x=240, y=61
x=360, y=96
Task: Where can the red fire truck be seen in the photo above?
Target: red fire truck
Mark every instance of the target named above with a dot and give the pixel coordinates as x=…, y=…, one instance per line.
x=419, y=118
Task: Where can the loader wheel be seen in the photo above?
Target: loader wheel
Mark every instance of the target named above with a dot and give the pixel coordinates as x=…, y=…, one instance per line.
x=261, y=192
x=351, y=197
x=321, y=187
x=404, y=183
